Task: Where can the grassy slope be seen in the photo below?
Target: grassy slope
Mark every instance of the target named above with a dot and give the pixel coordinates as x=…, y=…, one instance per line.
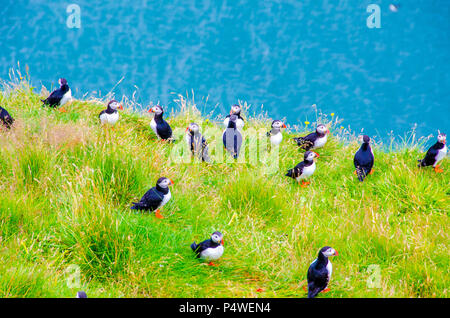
x=66, y=186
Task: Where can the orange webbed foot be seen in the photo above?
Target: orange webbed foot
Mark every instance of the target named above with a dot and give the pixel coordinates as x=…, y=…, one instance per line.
x=371, y=171
x=62, y=110
x=211, y=264
x=437, y=169
x=326, y=290
x=304, y=184
x=158, y=214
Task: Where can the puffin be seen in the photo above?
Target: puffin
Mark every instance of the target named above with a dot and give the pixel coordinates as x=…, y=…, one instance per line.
x=159, y=125
x=211, y=249
x=110, y=115
x=59, y=96
x=196, y=142
x=232, y=137
x=304, y=169
x=5, y=118
x=364, y=159
x=319, y=272
x=275, y=133
x=435, y=154
x=314, y=140
x=81, y=294
x=155, y=198
x=235, y=110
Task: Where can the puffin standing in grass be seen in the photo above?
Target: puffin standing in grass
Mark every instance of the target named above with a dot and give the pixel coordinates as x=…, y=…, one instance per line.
x=314, y=140
x=275, y=133
x=364, y=159
x=235, y=110
x=5, y=118
x=110, y=115
x=155, y=198
x=319, y=272
x=59, y=96
x=196, y=142
x=304, y=169
x=232, y=137
x=435, y=154
x=159, y=125
x=211, y=249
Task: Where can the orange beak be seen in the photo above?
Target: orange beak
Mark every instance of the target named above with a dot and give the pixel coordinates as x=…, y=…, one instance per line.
x=317, y=155
x=221, y=241
x=328, y=131
x=336, y=253
x=120, y=107
x=284, y=126
x=172, y=181
x=150, y=110
x=187, y=128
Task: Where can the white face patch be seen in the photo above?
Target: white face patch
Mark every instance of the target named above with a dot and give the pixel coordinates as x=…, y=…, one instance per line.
x=157, y=110
x=322, y=129
x=329, y=252
x=235, y=109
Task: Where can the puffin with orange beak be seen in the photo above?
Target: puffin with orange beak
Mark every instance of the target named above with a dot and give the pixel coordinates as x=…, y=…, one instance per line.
x=319, y=272
x=314, y=140
x=110, y=115
x=275, y=133
x=159, y=125
x=211, y=249
x=155, y=198
x=235, y=110
x=304, y=169
x=59, y=96
x=435, y=153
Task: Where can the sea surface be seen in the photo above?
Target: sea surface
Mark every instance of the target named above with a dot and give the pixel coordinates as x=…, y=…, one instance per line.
x=285, y=55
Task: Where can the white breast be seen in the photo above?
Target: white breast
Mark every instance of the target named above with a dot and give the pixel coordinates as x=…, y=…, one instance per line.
x=109, y=118
x=276, y=139
x=166, y=199
x=212, y=254
x=320, y=142
x=239, y=123
x=307, y=171
x=66, y=97
x=153, y=126
x=442, y=153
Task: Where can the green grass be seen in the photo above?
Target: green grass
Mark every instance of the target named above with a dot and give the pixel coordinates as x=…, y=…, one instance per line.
x=66, y=186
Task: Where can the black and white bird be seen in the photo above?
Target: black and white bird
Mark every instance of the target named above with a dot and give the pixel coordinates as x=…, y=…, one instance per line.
x=314, y=140
x=155, y=198
x=81, y=294
x=275, y=133
x=59, y=96
x=111, y=114
x=159, y=125
x=211, y=249
x=232, y=137
x=235, y=110
x=435, y=154
x=5, y=118
x=319, y=272
x=364, y=159
x=196, y=142
x=304, y=169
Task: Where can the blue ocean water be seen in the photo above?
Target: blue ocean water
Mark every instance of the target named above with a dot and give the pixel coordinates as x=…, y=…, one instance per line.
x=283, y=54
